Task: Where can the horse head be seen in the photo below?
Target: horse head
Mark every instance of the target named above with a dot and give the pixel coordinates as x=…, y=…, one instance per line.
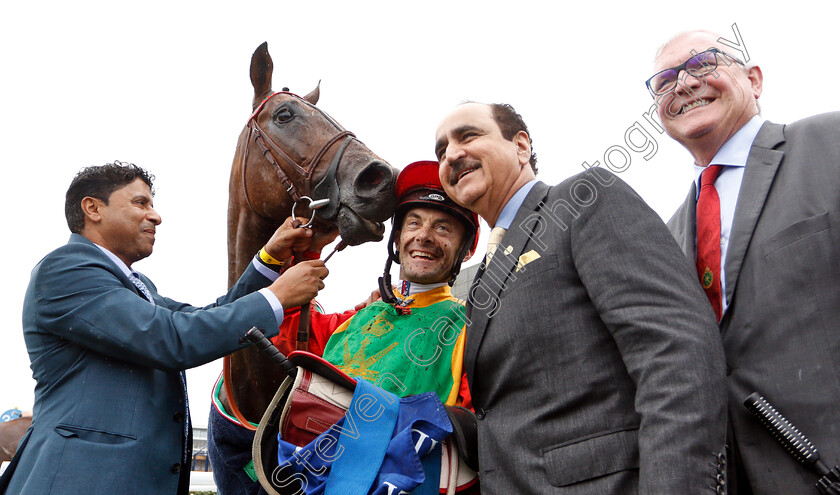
x=293, y=155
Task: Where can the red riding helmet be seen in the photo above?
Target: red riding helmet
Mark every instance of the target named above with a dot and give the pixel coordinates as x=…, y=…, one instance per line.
x=418, y=186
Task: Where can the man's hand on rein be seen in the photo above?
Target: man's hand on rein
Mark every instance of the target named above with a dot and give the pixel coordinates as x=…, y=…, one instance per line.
x=287, y=239
x=300, y=283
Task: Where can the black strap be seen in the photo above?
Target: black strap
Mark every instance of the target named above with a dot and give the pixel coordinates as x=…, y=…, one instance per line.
x=464, y=434
x=328, y=186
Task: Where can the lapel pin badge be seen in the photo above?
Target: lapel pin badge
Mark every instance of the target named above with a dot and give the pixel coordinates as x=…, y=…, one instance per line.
x=708, y=277
x=527, y=258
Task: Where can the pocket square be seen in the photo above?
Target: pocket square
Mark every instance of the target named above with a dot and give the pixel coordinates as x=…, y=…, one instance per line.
x=527, y=258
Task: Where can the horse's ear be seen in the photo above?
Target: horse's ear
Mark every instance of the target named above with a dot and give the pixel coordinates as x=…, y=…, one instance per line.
x=261, y=70
x=314, y=95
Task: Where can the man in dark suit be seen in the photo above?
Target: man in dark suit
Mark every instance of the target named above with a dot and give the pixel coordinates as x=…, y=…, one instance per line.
x=772, y=264
x=108, y=351
x=592, y=366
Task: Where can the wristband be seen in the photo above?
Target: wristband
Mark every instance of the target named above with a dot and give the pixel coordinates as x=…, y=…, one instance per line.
x=270, y=260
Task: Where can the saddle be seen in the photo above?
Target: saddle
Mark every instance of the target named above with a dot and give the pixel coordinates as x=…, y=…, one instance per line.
x=316, y=398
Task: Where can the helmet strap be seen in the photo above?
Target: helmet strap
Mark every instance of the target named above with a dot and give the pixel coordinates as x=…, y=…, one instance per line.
x=387, y=292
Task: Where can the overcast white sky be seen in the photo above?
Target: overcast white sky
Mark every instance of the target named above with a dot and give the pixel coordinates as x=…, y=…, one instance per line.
x=165, y=85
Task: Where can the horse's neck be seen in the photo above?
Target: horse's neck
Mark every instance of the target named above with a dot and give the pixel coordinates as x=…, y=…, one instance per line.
x=254, y=377
x=247, y=233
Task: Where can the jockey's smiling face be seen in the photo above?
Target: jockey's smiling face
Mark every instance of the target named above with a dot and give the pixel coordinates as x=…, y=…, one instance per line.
x=429, y=242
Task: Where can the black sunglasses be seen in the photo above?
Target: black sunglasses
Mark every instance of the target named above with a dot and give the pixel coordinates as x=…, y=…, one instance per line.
x=700, y=65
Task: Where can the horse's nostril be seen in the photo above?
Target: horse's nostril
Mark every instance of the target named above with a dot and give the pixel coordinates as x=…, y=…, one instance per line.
x=374, y=177
x=371, y=176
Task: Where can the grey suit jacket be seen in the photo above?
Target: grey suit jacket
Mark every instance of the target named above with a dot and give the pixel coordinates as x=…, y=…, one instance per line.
x=781, y=332
x=593, y=368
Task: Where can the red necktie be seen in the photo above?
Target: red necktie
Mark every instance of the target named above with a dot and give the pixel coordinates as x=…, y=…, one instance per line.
x=708, y=237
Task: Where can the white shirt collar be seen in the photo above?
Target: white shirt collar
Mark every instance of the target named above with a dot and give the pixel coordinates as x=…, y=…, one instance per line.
x=736, y=149
x=122, y=266
x=415, y=288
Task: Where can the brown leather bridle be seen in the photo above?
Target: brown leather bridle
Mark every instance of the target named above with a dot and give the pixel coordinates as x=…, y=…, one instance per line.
x=327, y=187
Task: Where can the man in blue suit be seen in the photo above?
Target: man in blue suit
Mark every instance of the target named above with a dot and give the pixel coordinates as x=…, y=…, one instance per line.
x=108, y=352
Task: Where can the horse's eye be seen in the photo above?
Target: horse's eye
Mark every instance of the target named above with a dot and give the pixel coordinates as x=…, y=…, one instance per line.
x=283, y=115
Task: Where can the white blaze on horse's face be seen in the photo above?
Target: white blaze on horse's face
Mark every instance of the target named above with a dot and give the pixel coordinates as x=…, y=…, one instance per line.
x=429, y=242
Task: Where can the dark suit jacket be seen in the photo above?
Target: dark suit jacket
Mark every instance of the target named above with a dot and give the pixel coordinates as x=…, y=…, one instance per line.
x=109, y=404
x=594, y=369
x=781, y=330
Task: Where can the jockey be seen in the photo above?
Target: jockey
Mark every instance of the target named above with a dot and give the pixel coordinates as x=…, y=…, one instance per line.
x=393, y=342
x=412, y=339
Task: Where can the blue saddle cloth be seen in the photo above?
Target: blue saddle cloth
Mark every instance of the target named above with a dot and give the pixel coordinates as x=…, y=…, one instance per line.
x=396, y=441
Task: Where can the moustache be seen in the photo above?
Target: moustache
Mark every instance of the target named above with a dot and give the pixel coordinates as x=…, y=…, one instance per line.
x=459, y=166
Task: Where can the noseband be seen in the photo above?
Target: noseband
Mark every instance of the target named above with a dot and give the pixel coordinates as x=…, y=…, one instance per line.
x=327, y=188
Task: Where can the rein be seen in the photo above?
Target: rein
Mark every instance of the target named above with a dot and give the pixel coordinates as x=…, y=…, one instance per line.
x=234, y=409
x=327, y=188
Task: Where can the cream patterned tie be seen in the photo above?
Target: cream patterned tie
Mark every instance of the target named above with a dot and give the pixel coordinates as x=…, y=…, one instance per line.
x=495, y=238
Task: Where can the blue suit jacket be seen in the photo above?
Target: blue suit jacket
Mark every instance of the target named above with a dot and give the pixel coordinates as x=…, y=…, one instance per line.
x=109, y=404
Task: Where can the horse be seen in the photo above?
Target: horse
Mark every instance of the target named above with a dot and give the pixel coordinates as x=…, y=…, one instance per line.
x=10, y=434
x=288, y=145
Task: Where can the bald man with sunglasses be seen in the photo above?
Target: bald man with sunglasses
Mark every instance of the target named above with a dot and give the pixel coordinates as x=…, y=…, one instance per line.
x=762, y=225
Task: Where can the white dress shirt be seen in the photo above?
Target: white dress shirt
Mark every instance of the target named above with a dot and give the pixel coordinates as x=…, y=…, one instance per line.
x=733, y=155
